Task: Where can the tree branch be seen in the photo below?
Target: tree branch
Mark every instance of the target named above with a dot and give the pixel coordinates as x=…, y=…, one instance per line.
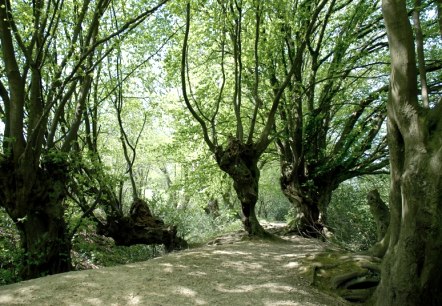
x=184, y=81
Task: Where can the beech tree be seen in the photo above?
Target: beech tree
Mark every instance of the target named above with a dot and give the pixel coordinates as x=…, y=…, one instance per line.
x=49, y=53
x=331, y=118
x=234, y=47
x=411, y=268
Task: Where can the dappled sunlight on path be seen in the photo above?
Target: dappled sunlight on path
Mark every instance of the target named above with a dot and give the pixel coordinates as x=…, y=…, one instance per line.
x=235, y=273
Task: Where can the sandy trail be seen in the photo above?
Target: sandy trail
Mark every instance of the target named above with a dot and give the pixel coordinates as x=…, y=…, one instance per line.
x=227, y=272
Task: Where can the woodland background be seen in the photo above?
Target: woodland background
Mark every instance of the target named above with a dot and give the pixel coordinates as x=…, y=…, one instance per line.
x=213, y=114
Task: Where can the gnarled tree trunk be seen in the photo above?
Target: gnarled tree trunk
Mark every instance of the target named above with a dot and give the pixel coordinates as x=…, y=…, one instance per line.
x=310, y=197
x=306, y=222
x=381, y=215
x=141, y=227
x=411, y=268
x=240, y=162
x=34, y=200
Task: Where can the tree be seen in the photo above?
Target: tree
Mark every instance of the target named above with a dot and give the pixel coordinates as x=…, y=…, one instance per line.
x=240, y=30
x=140, y=226
x=332, y=116
x=411, y=268
x=49, y=51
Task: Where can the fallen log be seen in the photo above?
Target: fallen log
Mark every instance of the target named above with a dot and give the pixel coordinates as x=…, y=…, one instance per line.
x=141, y=227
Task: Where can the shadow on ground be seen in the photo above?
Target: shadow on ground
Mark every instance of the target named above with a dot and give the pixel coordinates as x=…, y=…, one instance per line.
x=224, y=273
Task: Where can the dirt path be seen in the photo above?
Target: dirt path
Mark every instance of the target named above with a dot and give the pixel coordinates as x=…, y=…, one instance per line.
x=226, y=272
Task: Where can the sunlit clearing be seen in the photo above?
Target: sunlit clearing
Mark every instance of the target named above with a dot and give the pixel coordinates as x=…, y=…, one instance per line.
x=185, y=291
x=6, y=299
x=133, y=299
x=191, y=294
x=94, y=301
x=281, y=303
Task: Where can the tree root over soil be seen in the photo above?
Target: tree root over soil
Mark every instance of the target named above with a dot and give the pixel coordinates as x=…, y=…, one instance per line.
x=351, y=276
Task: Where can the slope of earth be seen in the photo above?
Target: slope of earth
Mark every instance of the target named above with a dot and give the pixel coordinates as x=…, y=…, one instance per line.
x=228, y=271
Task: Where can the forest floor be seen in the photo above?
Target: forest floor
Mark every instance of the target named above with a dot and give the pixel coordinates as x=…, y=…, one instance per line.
x=230, y=270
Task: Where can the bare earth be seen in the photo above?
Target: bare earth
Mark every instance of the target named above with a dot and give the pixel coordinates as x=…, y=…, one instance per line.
x=228, y=271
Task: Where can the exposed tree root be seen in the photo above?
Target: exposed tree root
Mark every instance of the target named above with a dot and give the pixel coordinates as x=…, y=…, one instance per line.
x=352, y=277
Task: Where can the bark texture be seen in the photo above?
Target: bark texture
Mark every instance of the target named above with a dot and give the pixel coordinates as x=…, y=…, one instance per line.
x=380, y=212
x=411, y=269
x=34, y=200
x=308, y=220
x=240, y=162
x=141, y=227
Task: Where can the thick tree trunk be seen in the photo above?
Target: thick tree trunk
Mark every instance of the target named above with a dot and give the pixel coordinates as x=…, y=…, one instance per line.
x=240, y=162
x=411, y=268
x=307, y=222
x=310, y=202
x=45, y=242
x=34, y=202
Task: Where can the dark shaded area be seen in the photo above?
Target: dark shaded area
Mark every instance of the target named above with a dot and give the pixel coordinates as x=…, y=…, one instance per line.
x=141, y=227
x=33, y=199
x=212, y=208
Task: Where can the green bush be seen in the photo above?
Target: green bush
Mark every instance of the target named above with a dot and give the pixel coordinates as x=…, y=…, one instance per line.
x=349, y=215
x=272, y=205
x=90, y=250
x=11, y=254
x=191, y=220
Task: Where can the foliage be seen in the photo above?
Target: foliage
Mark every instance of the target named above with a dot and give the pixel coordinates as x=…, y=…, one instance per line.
x=91, y=251
x=272, y=204
x=192, y=222
x=350, y=218
x=10, y=251
x=86, y=74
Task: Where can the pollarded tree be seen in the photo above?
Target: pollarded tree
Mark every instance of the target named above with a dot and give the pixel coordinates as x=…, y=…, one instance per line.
x=332, y=115
x=230, y=97
x=49, y=51
x=411, y=268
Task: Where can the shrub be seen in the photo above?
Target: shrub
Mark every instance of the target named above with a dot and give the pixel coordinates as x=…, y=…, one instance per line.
x=11, y=254
x=349, y=215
